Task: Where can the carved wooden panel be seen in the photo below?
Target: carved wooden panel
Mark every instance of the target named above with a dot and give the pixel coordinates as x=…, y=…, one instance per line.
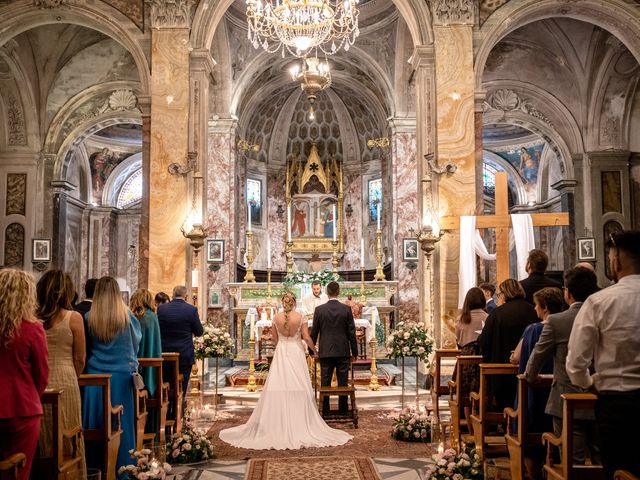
x=16, y=196
x=14, y=246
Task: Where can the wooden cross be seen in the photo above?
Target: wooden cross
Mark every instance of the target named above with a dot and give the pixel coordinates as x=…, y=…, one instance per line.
x=501, y=221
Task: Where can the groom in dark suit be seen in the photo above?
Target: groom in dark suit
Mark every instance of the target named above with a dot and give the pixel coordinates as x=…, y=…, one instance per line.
x=333, y=321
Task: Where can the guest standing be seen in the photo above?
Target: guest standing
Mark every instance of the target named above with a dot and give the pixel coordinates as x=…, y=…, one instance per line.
x=83, y=307
x=115, y=334
x=489, y=291
x=24, y=373
x=537, y=263
x=65, y=339
x=501, y=333
x=142, y=306
x=161, y=298
x=179, y=322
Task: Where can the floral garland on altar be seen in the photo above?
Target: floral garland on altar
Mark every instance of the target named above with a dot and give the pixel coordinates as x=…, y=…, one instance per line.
x=323, y=277
x=410, y=339
x=214, y=342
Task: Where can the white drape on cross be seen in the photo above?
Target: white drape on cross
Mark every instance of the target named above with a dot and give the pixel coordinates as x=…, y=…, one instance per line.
x=471, y=245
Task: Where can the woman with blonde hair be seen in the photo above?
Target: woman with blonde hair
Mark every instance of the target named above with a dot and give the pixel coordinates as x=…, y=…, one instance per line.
x=286, y=416
x=65, y=338
x=142, y=305
x=115, y=335
x=25, y=370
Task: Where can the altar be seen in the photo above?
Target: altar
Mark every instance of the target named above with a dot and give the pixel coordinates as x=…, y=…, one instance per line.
x=379, y=294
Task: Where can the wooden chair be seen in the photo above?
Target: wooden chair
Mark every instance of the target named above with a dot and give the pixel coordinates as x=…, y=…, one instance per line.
x=171, y=374
x=458, y=400
x=624, y=475
x=60, y=465
x=334, y=415
x=482, y=417
x=140, y=414
x=10, y=467
x=517, y=443
x=567, y=470
x=437, y=389
x=107, y=438
x=159, y=402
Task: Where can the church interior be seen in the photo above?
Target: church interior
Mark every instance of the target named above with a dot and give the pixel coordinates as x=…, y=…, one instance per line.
x=166, y=143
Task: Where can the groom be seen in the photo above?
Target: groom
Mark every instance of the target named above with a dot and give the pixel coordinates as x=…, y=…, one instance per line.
x=333, y=321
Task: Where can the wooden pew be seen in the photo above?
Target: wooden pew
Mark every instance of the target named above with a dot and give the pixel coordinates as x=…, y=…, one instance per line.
x=107, y=438
x=482, y=417
x=60, y=465
x=458, y=400
x=517, y=443
x=140, y=415
x=159, y=402
x=567, y=470
x=437, y=389
x=171, y=374
x=624, y=475
x=10, y=467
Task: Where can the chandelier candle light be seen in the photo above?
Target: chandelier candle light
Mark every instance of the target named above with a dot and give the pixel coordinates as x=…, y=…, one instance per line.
x=314, y=76
x=302, y=25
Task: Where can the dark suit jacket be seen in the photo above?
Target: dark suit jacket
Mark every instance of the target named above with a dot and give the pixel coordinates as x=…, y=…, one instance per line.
x=333, y=321
x=179, y=322
x=553, y=344
x=83, y=308
x=490, y=306
x=535, y=282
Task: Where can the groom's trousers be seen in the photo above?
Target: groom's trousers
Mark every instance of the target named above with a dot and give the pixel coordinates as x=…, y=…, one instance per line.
x=341, y=366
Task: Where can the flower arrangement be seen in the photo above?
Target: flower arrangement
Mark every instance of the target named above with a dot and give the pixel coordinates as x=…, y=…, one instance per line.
x=145, y=468
x=412, y=426
x=410, y=340
x=455, y=466
x=189, y=446
x=323, y=277
x=214, y=342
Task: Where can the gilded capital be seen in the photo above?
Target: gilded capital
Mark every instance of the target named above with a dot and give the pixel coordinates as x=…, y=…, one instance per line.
x=452, y=12
x=174, y=14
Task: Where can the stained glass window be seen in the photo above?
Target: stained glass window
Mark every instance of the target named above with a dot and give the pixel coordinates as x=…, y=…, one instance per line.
x=375, y=198
x=131, y=191
x=488, y=179
x=254, y=197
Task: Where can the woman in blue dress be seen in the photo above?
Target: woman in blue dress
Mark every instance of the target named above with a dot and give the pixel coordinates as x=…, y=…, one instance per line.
x=115, y=334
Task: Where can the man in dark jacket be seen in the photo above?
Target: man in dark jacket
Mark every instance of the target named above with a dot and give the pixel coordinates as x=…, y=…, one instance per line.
x=536, y=266
x=179, y=322
x=83, y=307
x=333, y=321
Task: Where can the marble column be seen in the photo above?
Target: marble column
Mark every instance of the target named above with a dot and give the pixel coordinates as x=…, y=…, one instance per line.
x=634, y=174
x=144, y=102
x=169, y=204
x=453, y=33
x=566, y=188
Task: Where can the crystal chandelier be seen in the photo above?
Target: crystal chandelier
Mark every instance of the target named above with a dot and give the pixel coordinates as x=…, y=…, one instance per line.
x=302, y=25
x=313, y=77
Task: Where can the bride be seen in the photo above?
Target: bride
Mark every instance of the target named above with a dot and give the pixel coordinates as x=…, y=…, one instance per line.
x=286, y=416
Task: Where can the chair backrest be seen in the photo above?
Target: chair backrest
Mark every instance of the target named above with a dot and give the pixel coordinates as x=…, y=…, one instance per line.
x=489, y=370
x=171, y=374
x=521, y=415
x=160, y=399
x=624, y=475
x=436, y=374
x=10, y=467
x=457, y=392
x=574, y=403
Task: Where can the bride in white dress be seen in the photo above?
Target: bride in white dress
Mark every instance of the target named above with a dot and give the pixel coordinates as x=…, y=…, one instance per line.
x=286, y=416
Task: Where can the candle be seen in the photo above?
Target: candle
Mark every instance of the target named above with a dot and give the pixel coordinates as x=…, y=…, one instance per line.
x=195, y=274
x=362, y=253
x=378, y=215
x=335, y=231
x=440, y=448
x=248, y=217
x=289, y=223
x=268, y=252
x=252, y=323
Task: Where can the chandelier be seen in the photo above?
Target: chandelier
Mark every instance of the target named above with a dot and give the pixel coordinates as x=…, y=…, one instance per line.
x=302, y=25
x=313, y=77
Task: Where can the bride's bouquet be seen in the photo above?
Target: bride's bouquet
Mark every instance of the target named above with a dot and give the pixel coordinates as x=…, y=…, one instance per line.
x=214, y=342
x=410, y=339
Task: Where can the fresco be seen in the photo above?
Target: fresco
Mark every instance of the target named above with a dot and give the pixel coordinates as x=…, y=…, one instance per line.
x=526, y=160
x=102, y=164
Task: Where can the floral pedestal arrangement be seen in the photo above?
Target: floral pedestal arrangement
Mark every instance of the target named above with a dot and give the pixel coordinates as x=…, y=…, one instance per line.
x=450, y=464
x=189, y=446
x=214, y=342
x=412, y=426
x=145, y=467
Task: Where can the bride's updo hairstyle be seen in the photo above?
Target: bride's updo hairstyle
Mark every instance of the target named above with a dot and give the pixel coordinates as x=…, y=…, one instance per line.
x=288, y=304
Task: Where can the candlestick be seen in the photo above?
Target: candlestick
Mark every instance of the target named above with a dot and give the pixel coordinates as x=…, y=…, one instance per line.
x=373, y=382
x=335, y=232
x=251, y=383
x=252, y=323
x=289, y=224
x=334, y=256
x=289, y=257
x=249, y=277
x=363, y=298
x=362, y=253
x=379, y=276
x=268, y=253
x=248, y=216
x=378, y=215
x=269, y=296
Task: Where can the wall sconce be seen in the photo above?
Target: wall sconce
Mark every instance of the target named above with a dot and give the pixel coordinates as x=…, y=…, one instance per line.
x=191, y=166
x=280, y=211
x=196, y=237
x=348, y=210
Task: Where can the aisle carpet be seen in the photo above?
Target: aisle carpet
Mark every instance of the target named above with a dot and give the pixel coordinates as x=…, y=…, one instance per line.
x=304, y=468
x=371, y=439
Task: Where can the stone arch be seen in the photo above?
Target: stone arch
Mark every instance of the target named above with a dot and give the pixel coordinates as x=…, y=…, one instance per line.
x=616, y=16
x=18, y=17
x=515, y=182
x=118, y=177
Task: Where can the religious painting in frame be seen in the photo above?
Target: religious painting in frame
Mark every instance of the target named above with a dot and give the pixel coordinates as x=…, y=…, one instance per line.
x=215, y=251
x=41, y=250
x=215, y=297
x=586, y=249
x=410, y=249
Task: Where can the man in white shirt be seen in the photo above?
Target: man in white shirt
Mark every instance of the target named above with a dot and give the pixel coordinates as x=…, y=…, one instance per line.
x=606, y=333
x=316, y=298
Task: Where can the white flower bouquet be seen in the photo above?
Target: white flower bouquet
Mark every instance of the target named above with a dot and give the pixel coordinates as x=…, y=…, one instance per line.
x=412, y=426
x=189, y=446
x=455, y=466
x=144, y=468
x=214, y=342
x=323, y=277
x=410, y=340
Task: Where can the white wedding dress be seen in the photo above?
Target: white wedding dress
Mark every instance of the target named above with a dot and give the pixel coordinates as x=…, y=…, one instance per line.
x=286, y=416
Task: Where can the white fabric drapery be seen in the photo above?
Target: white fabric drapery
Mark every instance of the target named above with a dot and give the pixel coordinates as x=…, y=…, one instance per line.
x=522, y=225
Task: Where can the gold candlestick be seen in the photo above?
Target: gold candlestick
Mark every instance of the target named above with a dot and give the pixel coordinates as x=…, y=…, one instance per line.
x=289, y=258
x=269, y=293
x=334, y=257
x=249, y=277
x=363, y=298
x=379, y=276
x=373, y=382
x=251, y=385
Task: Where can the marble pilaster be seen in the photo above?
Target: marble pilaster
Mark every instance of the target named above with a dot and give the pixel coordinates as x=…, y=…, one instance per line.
x=353, y=226
x=276, y=225
x=143, y=232
x=567, y=204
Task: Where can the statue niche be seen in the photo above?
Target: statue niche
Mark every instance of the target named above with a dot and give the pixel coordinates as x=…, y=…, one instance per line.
x=314, y=196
